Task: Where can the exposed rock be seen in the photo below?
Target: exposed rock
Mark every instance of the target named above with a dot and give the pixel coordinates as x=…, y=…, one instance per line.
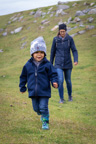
x=60, y=11
x=63, y=7
x=90, y=19
x=69, y=19
x=50, y=8
x=23, y=38
x=9, y=22
x=48, y=12
x=15, y=19
x=73, y=34
x=77, y=19
x=69, y=28
x=94, y=35
x=89, y=27
x=18, y=30
x=82, y=32
x=59, y=2
x=63, y=13
x=86, y=11
x=28, y=28
x=20, y=18
x=4, y=34
x=81, y=25
x=92, y=11
x=38, y=13
x=79, y=13
x=74, y=4
x=41, y=27
x=43, y=16
x=92, y=4
x=43, y=13
x=23, y=45
x=34, y=21
x=44, y=21
x=51, y=15
x=12, y=32
x=85, y=3
x=32, y=13
x=1, y=50
x=1, y=29
x=60, y=22
x=47, y=23
x=54, y=28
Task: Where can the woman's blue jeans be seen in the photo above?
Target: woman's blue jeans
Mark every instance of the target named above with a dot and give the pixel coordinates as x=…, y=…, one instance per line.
x=64, y=73
x=40, y=105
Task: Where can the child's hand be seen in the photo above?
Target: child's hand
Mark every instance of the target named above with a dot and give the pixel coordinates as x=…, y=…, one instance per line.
x=55, y=85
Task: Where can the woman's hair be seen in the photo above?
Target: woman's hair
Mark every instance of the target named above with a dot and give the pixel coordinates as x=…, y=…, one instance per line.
x=58, y=33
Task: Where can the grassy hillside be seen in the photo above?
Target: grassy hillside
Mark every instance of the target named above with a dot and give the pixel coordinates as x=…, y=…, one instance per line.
x=70, y=123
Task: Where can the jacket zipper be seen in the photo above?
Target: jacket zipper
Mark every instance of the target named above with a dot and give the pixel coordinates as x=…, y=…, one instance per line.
x=36, y=81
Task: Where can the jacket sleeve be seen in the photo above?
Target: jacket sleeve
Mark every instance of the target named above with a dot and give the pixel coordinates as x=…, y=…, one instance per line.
x=53, y=51
x=23, y=80
x=74, y=50
x=53, y=74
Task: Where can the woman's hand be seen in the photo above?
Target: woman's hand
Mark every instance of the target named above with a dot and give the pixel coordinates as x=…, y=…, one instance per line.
x=75, y=63
x=55, y=85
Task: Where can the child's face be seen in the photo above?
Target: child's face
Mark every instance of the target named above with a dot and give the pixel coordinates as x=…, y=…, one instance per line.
x=38, y=56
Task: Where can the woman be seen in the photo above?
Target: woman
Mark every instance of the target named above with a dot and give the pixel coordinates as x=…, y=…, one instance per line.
x=62, y=44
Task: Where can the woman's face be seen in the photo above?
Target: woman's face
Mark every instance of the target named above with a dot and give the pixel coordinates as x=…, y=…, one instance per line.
x=62, y=32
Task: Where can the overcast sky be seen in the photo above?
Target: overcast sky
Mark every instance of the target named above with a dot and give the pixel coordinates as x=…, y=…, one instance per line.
x=11, y=6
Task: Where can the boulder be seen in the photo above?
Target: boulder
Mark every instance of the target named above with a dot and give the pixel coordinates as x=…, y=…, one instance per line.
x=51, y=15
x=32, y=13
x=74, y=4
x=79, y=13
x=77, y=19
x=34, y=21
x=69, y=19
x=81, y=32
x=54, y=28
x=50, y=8
x=43, y=13
x=90, y=19
x=1, y=29
x=38, y=13
x=18, y=30
x=44, y=21
x=60, y=11
x=92, y=4
x=1, y=50
x=89, y=27
x=15, y=19
x=12, y=32
x=63, y=7
x=4, y=34
x=92, y=11
x=23, y=45
x=86, y=11
x=73, y=34
x=20, y=18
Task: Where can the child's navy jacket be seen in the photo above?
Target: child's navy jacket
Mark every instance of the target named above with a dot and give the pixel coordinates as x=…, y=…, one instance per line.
x=38, y=78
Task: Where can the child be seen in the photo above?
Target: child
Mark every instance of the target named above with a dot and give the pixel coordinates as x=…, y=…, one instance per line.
x=37, y=73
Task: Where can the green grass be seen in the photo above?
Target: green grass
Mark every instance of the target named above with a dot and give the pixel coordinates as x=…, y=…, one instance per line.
x=70, y=123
